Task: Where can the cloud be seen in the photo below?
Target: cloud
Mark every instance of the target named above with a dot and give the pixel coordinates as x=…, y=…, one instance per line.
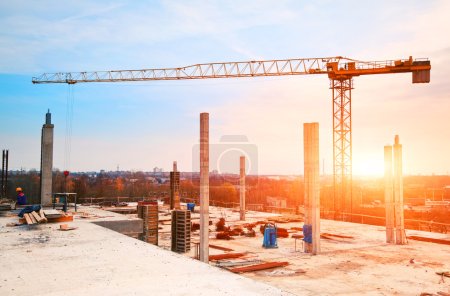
x=51, y=36
x=98, y=35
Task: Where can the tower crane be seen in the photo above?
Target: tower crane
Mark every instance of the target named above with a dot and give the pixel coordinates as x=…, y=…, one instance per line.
x=340, y=71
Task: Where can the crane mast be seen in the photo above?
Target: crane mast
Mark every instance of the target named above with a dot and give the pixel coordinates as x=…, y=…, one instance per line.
x=340, y=71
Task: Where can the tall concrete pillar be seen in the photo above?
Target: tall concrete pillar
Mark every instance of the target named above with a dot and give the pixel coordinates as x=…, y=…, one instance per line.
x=47, y=160
x=4, y=185
x=312, y=184
x=400, y=236
x=175, y=188
x=388, y=195
x=204, y=187
x=242, y=187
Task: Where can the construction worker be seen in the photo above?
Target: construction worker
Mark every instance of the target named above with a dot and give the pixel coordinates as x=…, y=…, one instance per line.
x=21, y=198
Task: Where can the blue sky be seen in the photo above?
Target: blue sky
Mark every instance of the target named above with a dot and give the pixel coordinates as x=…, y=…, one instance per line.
x=141, y=125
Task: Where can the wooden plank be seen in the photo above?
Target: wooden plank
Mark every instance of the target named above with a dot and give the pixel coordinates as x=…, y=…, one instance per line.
x=257, y=267
x=27, y=218
x=41, y=213
x=66, y=227
x=32, y=218
x=220, y=248
x=336, y=235
x=231, y=264
x=36, y=216
x=226, y=256
x=429, y=239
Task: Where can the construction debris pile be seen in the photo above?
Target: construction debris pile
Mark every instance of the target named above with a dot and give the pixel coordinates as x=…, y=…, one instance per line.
x=245, y=262
x=33, y=217
x=227, y=232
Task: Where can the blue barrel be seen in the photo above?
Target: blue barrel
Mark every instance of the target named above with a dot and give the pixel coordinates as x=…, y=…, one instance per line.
x=307, y=233
x=270, y=236
x=190, y=206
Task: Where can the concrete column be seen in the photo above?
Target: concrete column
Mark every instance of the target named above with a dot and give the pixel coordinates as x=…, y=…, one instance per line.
x=174, y=188
x=204, y=187
x=242, y=187
x=388, y=195
x=47, y=160
x=400, y=237
x=4, y=185
x=307, y=248
x=312, y=183
x=177, y=188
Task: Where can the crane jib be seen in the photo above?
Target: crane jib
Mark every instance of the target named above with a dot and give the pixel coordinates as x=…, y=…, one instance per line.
x=334, y=67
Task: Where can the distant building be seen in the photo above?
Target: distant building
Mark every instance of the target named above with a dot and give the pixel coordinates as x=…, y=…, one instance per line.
x=437, y=203
x=415, y=201
x=447, y=192
x=157, y=171
x=152, y=179
x=277, y=202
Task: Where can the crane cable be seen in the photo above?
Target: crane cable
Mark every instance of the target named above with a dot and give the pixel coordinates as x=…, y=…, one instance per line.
x=69, y=119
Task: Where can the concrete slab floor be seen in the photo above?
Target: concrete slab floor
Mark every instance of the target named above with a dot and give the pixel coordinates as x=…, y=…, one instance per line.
x=92, y=260
x=364, y=265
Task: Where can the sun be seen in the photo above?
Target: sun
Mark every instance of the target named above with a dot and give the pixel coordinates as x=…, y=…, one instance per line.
x=372, y=165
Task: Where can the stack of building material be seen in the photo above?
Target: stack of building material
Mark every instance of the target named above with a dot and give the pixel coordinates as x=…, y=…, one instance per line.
x=53, y=213
x=6, y=205
x=148, y=212
x=44, y=216
x=34, y=217
x=181, y=231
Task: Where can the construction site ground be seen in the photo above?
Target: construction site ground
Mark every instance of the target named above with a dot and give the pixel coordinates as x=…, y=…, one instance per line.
x=361, y=265
x=93, y=260
x=354, y=260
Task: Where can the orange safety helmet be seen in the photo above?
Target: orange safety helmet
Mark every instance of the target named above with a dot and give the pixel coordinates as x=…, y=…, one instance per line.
x=18, y=189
